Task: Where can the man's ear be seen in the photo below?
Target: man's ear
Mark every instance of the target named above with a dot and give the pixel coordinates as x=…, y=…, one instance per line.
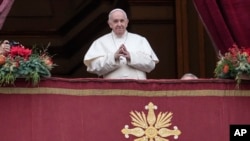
x=108, y=22
x=127, y=22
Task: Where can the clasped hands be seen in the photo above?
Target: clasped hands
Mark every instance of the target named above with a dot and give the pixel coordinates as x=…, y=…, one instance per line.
x=122, y=51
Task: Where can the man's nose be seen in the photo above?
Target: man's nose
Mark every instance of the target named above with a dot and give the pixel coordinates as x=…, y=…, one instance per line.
x=119, y=23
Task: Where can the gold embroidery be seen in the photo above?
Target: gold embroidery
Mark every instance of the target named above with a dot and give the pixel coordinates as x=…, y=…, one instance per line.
x=150, y=127
x=122, y=92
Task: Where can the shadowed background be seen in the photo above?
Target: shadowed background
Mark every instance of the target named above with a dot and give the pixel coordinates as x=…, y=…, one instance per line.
x=172, y=27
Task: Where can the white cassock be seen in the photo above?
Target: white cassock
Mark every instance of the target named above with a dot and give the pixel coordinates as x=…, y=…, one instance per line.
x=100, y=60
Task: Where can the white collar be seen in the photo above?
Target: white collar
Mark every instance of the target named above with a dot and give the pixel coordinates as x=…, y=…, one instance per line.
x=118, y=37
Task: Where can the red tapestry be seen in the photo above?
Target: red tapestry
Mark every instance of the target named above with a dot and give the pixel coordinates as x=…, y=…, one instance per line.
x=98, y=110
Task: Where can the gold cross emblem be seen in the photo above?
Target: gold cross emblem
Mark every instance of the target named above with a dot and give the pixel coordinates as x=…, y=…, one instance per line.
x=151, y=128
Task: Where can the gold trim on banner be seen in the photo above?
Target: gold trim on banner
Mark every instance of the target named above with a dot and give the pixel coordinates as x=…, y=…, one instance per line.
x=122, y=92
x=150, y=127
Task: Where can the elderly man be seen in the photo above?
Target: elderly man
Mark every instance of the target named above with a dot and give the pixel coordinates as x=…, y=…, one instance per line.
x=120, y=54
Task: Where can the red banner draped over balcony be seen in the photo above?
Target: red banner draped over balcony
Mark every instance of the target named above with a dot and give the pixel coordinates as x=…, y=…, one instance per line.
x=97, y=109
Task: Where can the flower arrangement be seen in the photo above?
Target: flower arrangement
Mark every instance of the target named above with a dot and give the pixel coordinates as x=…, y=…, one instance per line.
x=234, y=64
x=22, y=62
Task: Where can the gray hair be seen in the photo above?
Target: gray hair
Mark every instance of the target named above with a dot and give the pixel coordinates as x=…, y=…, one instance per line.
x=189, y=76
x=117, y=9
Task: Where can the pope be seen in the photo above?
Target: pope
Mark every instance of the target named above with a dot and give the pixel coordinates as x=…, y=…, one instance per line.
x=120, y=54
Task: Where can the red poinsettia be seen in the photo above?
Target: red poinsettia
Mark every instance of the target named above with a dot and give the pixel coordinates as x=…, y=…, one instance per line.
x=20, y=51
x=20, y=61
x=234, y=64
x=246, y=51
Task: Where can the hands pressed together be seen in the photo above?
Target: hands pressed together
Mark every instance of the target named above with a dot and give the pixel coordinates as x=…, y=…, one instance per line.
x=122, y=51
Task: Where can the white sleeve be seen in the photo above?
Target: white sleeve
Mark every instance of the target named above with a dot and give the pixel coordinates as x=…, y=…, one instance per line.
x=99, y=59
x=102, y=65
x=145, y=59
x=142, y=61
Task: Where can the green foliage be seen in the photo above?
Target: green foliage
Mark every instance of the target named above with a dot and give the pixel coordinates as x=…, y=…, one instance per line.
x=33, y=68
x=219, y=70
x=234, y=64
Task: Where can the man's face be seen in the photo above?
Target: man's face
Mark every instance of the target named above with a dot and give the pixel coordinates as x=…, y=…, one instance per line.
x=118, y=23
x=5, y=46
